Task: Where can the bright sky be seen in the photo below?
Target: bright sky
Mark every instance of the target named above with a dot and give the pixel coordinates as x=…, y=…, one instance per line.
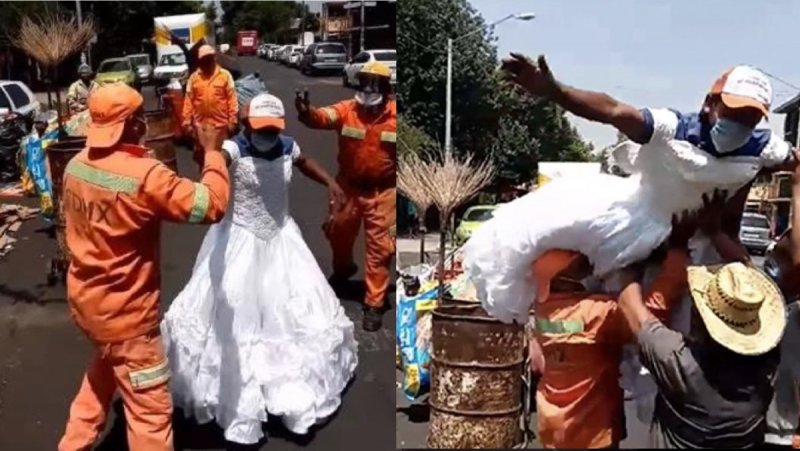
x=652, y=53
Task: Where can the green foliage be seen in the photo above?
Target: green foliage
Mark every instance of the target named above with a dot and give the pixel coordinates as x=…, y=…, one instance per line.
x=413, y=140
x=491, y=119
x=271, y=19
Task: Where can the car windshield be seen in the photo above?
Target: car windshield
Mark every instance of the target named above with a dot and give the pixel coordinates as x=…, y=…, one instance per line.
x=385, y=56
x=330, y=48
x=114, y=66
x=174, y=59
x=481, y=214
x=141, y=60
x=755, y=222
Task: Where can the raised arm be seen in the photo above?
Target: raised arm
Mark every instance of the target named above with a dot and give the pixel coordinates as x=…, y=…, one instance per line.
x=537, y=79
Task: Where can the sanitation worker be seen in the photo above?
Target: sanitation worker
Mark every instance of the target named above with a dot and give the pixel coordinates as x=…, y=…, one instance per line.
x=114, y=201
x=366, y=126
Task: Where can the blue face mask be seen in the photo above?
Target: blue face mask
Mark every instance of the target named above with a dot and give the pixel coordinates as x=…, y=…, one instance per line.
x=728, y=135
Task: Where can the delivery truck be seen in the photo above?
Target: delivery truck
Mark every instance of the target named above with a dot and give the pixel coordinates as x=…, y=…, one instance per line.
x=190, y=28
x=247, y=42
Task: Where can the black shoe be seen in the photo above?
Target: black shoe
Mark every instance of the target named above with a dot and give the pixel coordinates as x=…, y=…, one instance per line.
x=338, y=279
x=373, y=319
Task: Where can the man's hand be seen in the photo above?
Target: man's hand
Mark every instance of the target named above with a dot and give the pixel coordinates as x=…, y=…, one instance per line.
x=210, y=138
x=336, y=197
x=683, y=229
x=302, y=103
x=709, y=219
x=535, y=77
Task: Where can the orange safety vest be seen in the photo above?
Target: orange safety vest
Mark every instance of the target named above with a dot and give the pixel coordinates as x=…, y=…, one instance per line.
x=367, y=146
x=211, y=100
x=113, y=202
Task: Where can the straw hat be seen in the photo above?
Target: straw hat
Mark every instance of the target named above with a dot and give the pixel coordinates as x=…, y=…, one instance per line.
x=741, y=307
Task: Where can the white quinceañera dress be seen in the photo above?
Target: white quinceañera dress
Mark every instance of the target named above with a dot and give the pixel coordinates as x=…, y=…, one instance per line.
x=257, y=328
x=615, y=221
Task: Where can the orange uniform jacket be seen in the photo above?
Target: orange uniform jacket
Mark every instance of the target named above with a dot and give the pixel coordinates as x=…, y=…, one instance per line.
x=114, y=201
x=579, y=399
x=367, y=148
x=211, y=100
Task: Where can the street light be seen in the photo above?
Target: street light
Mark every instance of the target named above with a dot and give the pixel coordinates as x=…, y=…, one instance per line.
x=448, y=103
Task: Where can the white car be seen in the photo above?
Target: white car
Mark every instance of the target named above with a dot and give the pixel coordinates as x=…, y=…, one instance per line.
x=171, y=65
x=16, y=97
x=385, y=56
x=296, y=56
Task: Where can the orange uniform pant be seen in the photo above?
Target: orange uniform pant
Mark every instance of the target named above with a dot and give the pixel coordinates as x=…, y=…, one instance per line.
x=377, y=210
x=138, y=369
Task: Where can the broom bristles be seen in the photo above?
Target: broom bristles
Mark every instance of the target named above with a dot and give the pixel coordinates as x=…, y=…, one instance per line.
x=50, y=39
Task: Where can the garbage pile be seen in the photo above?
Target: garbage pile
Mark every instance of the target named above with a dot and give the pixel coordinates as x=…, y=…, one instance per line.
x=248, y=87
x=13, y=128
x=11, y=218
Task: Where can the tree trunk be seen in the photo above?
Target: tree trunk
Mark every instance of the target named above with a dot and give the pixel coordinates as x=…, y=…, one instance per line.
x=421, y=220
x=442, y=253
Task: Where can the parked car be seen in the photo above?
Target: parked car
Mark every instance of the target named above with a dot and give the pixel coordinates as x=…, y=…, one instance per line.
x=473, y=218
x=296, y=55
x=283, y=54
x=116, y=70
x=755, y=232
x=171, y=65
x=323, y=56
x=387, y=57
x=16, y=97
x=142, y=67
x=272, y=52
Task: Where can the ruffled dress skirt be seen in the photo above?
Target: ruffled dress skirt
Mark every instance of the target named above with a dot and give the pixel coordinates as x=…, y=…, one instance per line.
x=258, y=329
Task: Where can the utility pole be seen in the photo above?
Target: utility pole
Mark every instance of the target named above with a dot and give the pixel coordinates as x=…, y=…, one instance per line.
x=303, y=25
x=361, y=49
x=80, y=22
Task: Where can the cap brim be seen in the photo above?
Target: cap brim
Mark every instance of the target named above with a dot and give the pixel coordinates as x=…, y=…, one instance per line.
x=755, y=339
x=103, y=136
x=257, y=123
x=735, y=102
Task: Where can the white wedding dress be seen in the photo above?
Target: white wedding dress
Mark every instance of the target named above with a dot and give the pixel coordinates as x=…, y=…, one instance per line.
x=615, y=221
x=257, y=328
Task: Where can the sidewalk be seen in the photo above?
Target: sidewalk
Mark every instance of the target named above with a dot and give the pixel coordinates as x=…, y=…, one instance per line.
x=408, y=249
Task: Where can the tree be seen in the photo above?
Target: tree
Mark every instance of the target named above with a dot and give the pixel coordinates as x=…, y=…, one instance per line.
x=413, y=141
x=272, y=20
x=491, y=119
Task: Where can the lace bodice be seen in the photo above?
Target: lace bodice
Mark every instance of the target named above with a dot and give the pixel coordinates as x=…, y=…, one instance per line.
x=260, y=193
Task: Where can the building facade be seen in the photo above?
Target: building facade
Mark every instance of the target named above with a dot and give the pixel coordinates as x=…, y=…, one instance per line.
x=341, y=21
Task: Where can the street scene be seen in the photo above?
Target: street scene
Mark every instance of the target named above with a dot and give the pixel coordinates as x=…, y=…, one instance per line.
x=312, y=379
x=588, y=254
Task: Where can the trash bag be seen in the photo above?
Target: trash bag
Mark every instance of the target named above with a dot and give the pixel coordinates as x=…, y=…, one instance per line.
x=12, y=129
x=414, y=338
x=36, y=162
x=248, y=87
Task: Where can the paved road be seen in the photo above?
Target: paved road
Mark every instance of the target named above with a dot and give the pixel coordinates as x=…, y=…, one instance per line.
x=42, y=354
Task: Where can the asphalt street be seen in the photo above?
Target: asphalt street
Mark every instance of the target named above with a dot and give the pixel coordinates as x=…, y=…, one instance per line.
x=43, y=355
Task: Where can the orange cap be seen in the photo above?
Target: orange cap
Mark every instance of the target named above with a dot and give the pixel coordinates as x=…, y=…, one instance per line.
x=265, y=110
x=205, y=50
x=744, y=87
x=547, y=267
x=109, y=106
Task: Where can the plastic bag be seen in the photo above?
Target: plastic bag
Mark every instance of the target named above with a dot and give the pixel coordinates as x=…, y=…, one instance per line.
x=36, y=162
x=248, y=87
x=413, y=338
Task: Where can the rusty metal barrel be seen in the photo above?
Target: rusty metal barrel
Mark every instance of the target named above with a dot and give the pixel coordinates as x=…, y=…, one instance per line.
x=59, y=155
x=476, y=379
x=160, y=137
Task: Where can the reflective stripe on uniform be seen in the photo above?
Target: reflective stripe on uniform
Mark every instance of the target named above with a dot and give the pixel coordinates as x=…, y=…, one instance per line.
x=389, y=137
x=351, y=132
x=150, y=377
x=331, y=113
x=200, y=204
x=547, y=326
x=103, y=179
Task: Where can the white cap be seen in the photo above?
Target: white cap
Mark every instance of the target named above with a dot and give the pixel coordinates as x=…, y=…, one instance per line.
x=744, y=86
x=266, y=110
